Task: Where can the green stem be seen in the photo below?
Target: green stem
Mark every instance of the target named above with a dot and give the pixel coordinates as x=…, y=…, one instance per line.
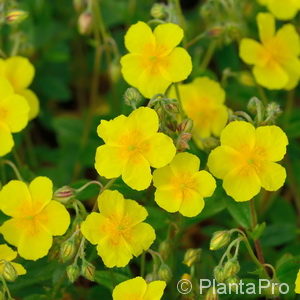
x=88, y=184
x=5, y=288
x=14, y=168
x=208, y=55
x=262, y=95
x=143, y=263
x=195, y=40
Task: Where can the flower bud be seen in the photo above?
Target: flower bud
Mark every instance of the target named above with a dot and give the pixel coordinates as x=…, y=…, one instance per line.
x=132, y=97
x=254, y=105
x=78, y=5
x=210, y=143
x=191, y=257
x=183, y=142
x=16, y=16
x=88, y=270
x=186, y=126
x=215, y=31
x=164, y=249
x=114, y=71
x=246, y=78
x=159, y=11
x=231, y=268
x=219, y=274
x=150, y=277
x=9, y=273
x=273, y=290
x=233, y=283
x=73, y=272
x=165, y=273
x=211, y=294
x=273, y=111
x=85, y=23
x=67, y=250
x=186, y=276
x=64, y=194
x=220, y=239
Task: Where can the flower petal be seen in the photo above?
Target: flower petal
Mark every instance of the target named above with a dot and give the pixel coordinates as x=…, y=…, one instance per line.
x=111, y=203
x=6, y=88
x=6, y=140
x=161, y=150
x=167, y=36
x=7, y=253
x=242, y=184
x=283, y=10
x=134, y=213
x=11, y=231
x=109, y=162
x=221, y=161
x=177, y=65
x=168, y=199
x=272, y=141
x=192, y=204
x=19, y=268
x=155, y=290
x=19, y=71
x=137, y=173
x=238, y=135
x=130, y=289
x=15, y=198
x=266, y=26
x=251, y=52
x=139, y=38
x=92, y=227
x=272, y=176
x=41, y=191
x=185, y=162
x=32, y=101
x=206, y=183
x=141, y=238
x=162, y=177
x=55, y=218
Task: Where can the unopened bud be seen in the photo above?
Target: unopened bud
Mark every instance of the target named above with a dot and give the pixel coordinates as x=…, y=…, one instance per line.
x=114, y=71
x=16, y=16
x=73, y=272
x=150, y=277
x=183, y=142
x=186, y=126
x=215, y=31
x=233, y=283
x=132, y=97
x=246, y=78
x=165, y=273
x=191, y=257
x=67, y=250
x=85, y=22
x=9, y=273
x=88, y=270
x=219, y=240
x=64, y=194
x=273, y=290
x=159, y=11
x=211, y=294
x=219, y=274
x=231, y=268
x=254, y=105
x=164, y=249
x=273, y=110
x=186, y=276
x=172, y=108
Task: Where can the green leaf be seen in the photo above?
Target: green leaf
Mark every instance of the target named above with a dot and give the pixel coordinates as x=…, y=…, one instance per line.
x=109, y=278
x=240, y=211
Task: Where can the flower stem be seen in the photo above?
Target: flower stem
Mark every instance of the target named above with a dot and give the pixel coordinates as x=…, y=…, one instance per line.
x=208, y=55
x=14, y=168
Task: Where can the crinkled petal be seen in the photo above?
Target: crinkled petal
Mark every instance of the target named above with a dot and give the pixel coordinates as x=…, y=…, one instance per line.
x=141, y=238
x=272, y=142
x=137, y=173
x=109, y=162
x=272, y=176
x=206, y=184
x=155, y=290
x=15, y=198
x=242, y=184
x=177, y=65
x=238, y=135
x=271, y=76
x=130, y=289
x=41, y=191
x=139, y=38
x=192, y=203
x=167, y=36
x=92, y=227
x=6, y=140
x=161, y=150
x=55, y=218
x=266, y=26
x=111, y=203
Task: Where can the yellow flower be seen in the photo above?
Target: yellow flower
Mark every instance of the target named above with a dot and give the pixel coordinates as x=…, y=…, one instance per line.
x=35, y=217
x=118, y=230
x=282, y=10
x=13, y=115
x=246, y=159
x=132, y=145
x=154, y=61
x=20, y=72
x=203, y=102
x=276, y=59
x=297, y=283
x=8, y=254
x=137, y=288
x=180, y=186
